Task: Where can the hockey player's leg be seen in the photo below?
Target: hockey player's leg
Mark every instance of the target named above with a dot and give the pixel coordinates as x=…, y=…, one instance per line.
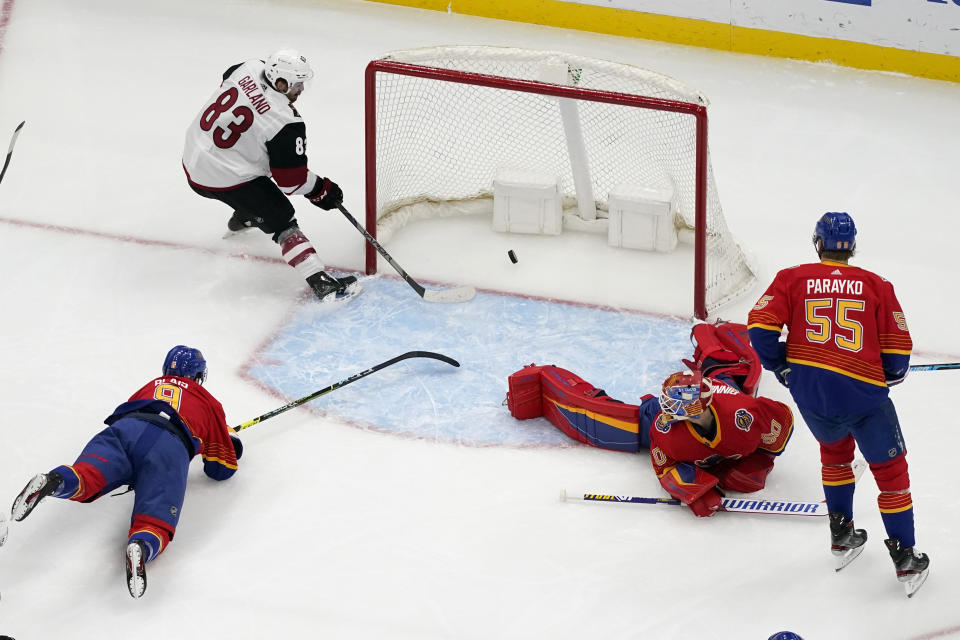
x=839, y=483
x=148, y=537
x=911, y=566
x=846, y=542
x=896, y=510
x=39, y=487
x=300, y=254
x=161, y=482
x=882, y=444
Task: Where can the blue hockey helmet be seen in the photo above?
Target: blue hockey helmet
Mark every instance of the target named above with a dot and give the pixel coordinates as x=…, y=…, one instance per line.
x=785, y=635
x=185, y=362
x=836, y=231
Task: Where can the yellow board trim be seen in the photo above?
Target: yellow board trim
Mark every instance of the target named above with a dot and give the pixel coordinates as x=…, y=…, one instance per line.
x=701, y=33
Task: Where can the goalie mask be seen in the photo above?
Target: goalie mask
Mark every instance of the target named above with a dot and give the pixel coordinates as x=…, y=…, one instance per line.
x=685, y=394
x=291, y=67
x=185, y=362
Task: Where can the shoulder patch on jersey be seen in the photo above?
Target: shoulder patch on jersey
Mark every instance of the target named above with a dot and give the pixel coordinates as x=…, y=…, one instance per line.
x=743, y=419
x=662, y=423
x=775, y=429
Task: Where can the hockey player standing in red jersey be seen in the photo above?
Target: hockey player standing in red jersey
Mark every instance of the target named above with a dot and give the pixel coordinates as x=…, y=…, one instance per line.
x=847, y=343
x=248, y=132
x=148, y=445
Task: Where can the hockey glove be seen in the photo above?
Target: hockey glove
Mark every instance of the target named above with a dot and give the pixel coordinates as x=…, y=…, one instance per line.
x=783, y=372
x=707, y=504
x=894, y=378
x=237, y=446
x=326, y=194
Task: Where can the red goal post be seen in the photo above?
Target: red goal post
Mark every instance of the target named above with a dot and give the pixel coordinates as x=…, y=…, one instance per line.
x=440, y=121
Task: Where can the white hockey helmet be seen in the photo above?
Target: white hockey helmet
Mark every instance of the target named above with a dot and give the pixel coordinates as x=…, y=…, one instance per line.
x=290, y=66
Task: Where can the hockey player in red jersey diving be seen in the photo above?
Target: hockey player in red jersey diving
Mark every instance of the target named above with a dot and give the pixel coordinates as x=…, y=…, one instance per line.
x=706, y=436
x=148, y=445
x=706, y=430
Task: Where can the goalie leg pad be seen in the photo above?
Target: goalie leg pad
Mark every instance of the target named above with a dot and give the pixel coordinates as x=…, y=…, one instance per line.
x=724, y=349
x=524, y=396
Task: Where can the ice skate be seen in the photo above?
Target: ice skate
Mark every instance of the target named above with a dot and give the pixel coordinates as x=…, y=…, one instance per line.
x=236, y=225
x=846, y=543
x=136, y=572
x=912, y=567
x=326, y=287
x=39, y=487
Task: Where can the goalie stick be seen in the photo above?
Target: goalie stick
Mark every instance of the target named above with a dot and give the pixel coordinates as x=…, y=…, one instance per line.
x=13, y=141
x=732, y=505
x=456, y=294
x=346, y=381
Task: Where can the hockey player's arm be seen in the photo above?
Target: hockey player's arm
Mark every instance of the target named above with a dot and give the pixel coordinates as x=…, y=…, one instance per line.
x=221, y=449
x=287, y=152
x=688, y=483
x=895, y=341
x=229, y=72
x=765, y=325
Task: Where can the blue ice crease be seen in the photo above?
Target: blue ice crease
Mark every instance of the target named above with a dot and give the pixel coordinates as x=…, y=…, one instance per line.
x=625, y=353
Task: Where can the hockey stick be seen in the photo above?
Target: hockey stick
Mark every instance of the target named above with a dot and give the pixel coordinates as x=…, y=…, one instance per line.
x=345, y=382
x=456, y=294
x=13, y=141
x=733, y=505
x=935, y=367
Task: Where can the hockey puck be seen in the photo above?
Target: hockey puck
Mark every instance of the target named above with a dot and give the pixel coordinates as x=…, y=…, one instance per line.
x=512, y=256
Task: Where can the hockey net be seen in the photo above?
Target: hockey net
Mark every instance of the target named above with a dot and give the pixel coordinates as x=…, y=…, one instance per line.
x=442, y=121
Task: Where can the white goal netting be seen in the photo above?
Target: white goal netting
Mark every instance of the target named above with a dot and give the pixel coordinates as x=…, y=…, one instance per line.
x=441, y=138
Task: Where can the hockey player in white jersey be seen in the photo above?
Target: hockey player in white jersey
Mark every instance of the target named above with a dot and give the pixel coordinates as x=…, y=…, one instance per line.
x=248, y=132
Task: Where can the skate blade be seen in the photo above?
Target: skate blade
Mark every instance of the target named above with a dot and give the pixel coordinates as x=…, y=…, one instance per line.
x=23, y=505
x=348, y=294
x=239, y=232
x=136, y=578
x=847, y=557
x=913, y=585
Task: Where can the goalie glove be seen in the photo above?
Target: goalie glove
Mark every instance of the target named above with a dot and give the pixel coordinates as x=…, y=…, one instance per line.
x=707, y=504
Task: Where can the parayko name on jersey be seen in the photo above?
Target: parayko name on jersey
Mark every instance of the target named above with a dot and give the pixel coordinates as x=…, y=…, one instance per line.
x=833, y=285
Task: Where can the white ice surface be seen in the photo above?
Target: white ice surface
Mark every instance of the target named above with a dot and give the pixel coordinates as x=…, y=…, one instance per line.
x=330, y=530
